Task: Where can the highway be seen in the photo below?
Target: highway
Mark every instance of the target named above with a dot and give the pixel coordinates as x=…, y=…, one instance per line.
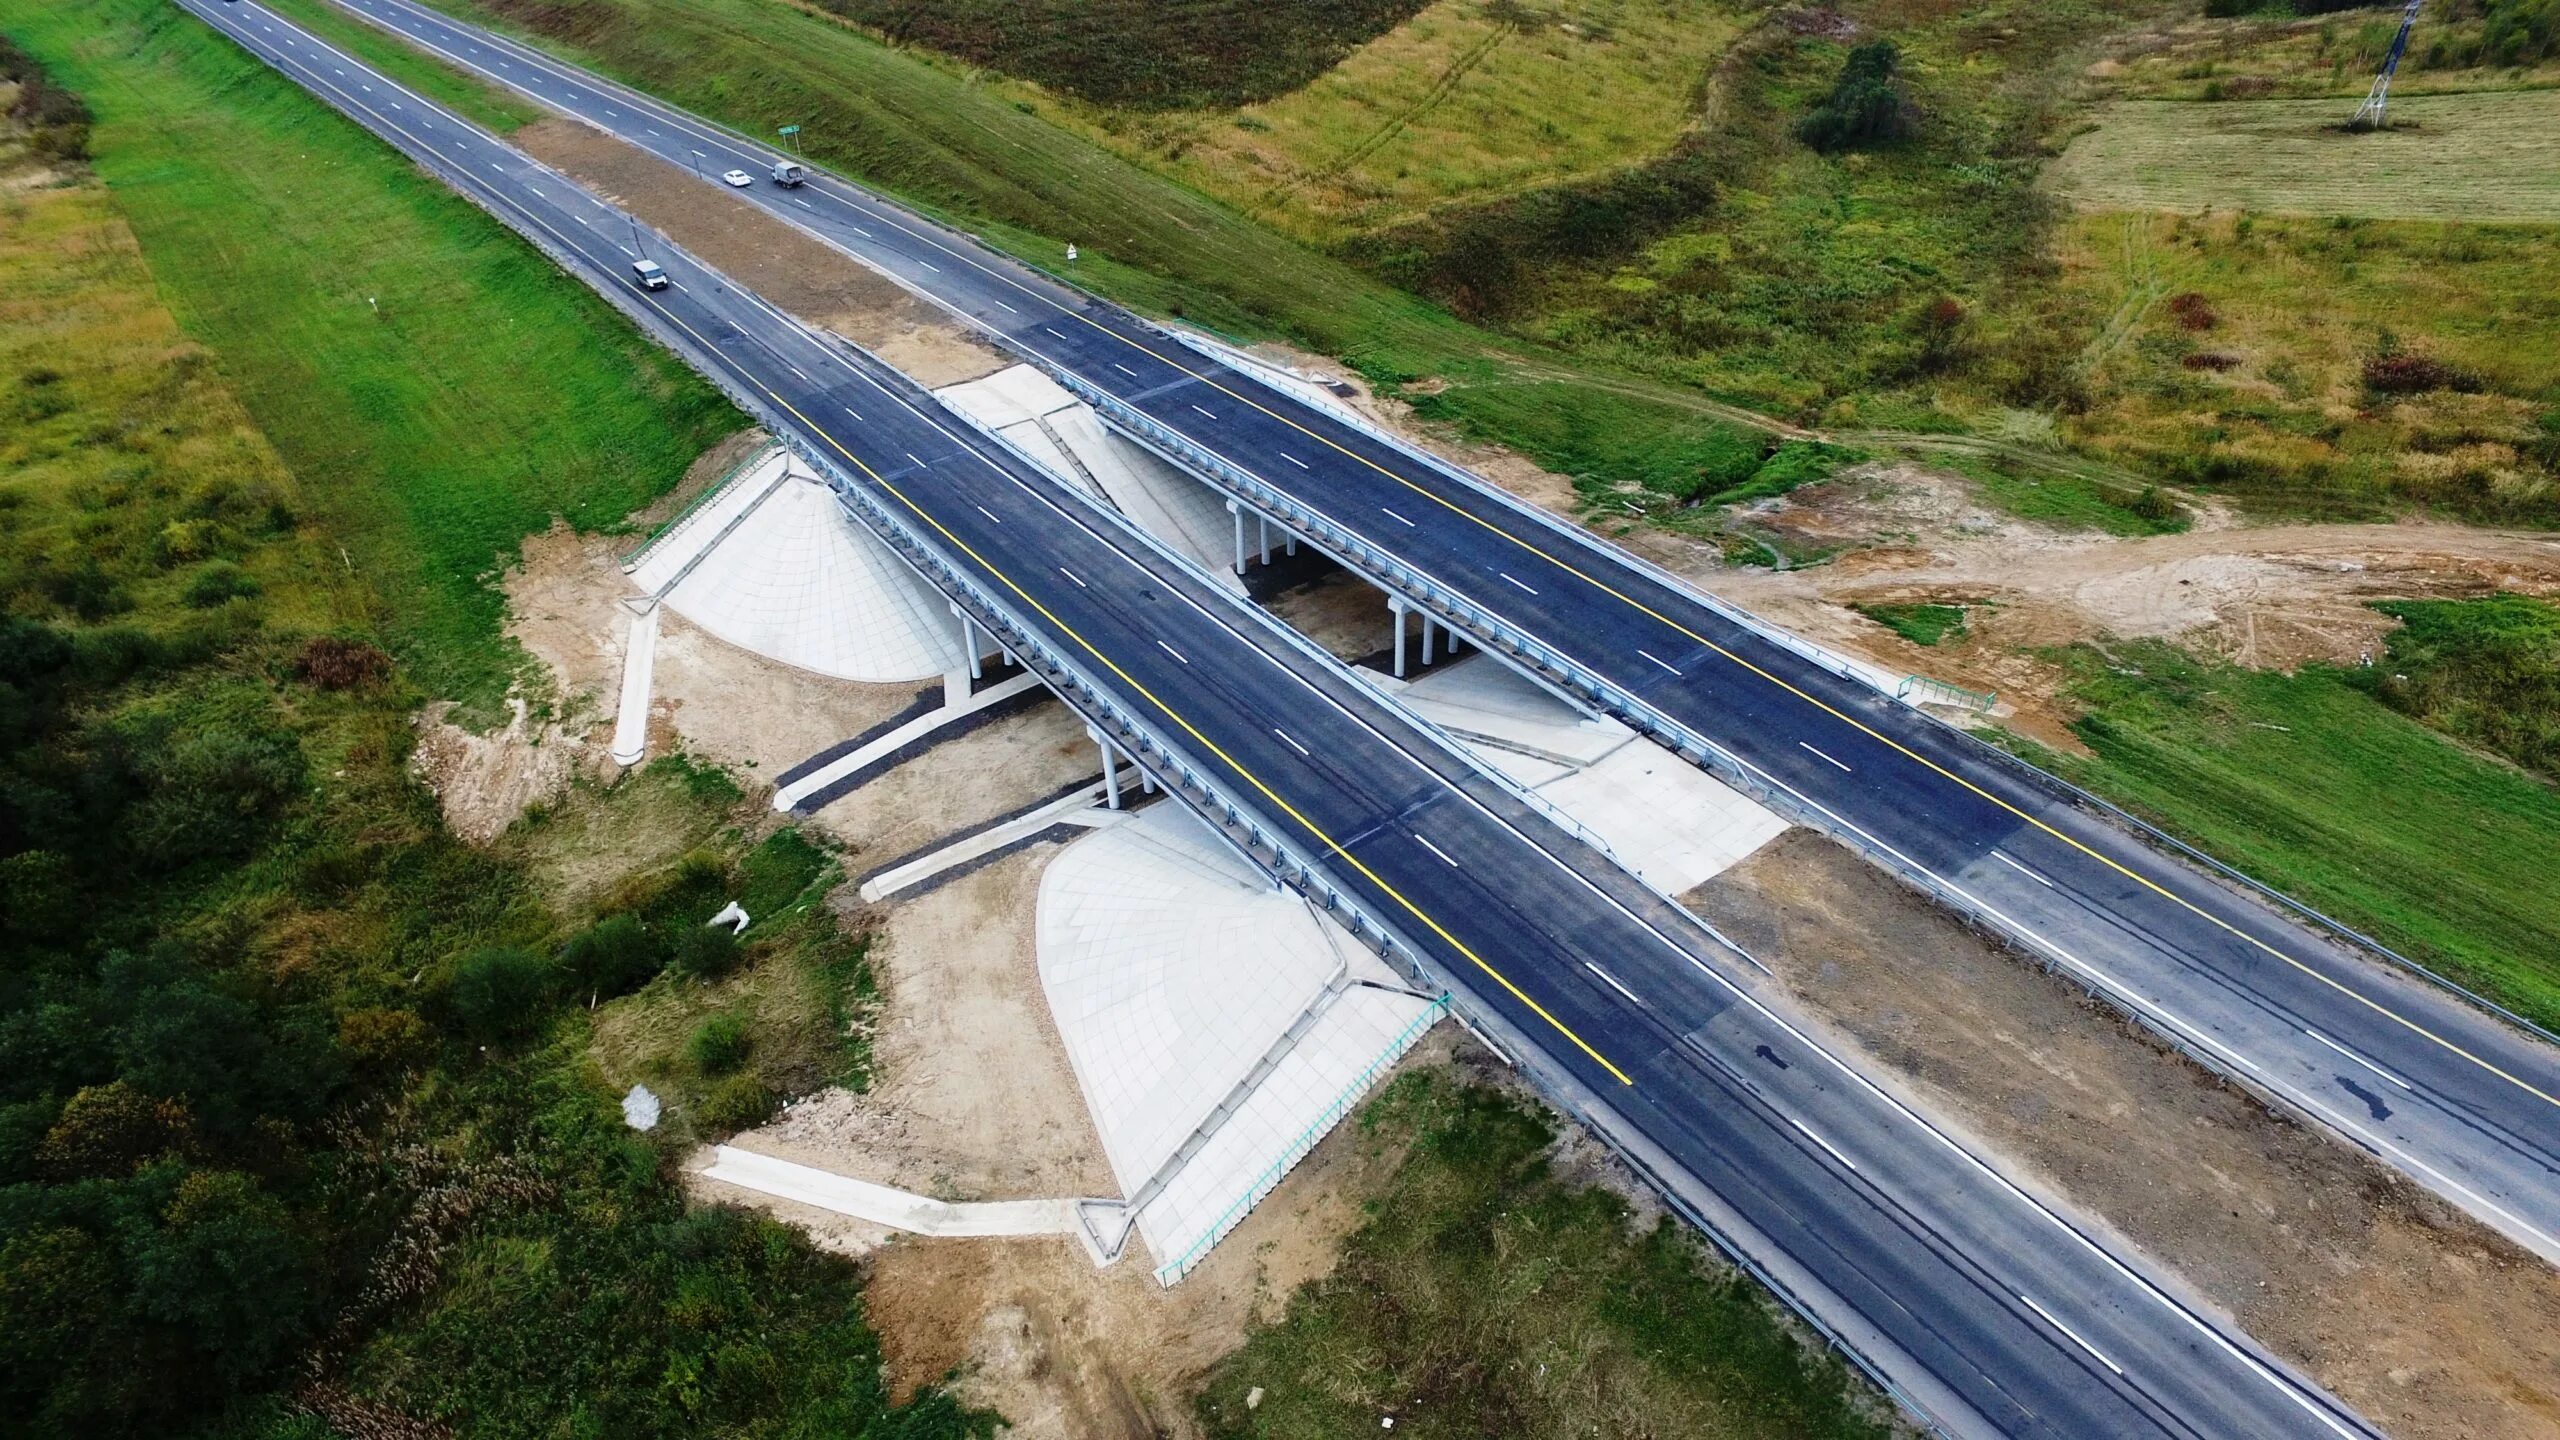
x=1984, y=1309
x=2462, y=1101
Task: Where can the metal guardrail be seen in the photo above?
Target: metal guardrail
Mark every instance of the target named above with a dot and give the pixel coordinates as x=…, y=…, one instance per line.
x=2034, y=774
x=1371, y=932
x=1304, y=1141
x=1317, y=655
x=695, y=507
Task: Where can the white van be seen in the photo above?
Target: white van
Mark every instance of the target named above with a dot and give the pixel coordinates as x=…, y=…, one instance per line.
x=651, y=277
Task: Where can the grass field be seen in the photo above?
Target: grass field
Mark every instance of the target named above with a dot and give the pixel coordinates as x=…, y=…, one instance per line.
x=1487, y=1296
x=1464, y=101
x=2307, y=783
x=2336, y=55
x=439, y=389
x=2257, y=390
x=2486, y=157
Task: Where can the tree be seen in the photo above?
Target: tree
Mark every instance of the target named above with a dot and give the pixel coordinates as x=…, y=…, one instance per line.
x=705, y=952
x=498, y=992
x=1865, y=108
x=614, y=955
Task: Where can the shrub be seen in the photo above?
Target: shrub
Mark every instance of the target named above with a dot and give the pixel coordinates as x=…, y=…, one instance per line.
x=2402, y=373
x=331, y=663
x=497, y=993
x=212, y=791
x=2193, y=311
x=740, y=1102
x=719, y=1045
x=1865, y=107
x=220, y=583
x=614, y=955
x=704, y=952
x=2213, y=360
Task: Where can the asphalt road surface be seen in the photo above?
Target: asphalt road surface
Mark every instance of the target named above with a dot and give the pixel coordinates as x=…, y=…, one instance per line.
x=1985, y=1310
x=2460, y=1100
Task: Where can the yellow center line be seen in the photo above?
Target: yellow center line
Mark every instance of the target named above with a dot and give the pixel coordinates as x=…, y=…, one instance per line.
x=1178, y=718
x=1613, y=592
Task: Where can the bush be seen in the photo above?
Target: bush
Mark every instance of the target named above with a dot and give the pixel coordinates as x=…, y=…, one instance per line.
x=740, y=1102
x=704, y=952
x=498, y=993
x=719, y=1045
x=2193, y=311
x=2406, y=374
x=331, y=663
x=612, y=956
x=1865, y=108
x=212, y=792
x=220, y=583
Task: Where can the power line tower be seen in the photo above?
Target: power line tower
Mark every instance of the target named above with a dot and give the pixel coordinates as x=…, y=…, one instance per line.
x=2369, y=115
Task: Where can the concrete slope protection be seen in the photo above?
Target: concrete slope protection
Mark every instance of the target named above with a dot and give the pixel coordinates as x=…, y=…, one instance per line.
x=2462, y=1102
x=1985, y=1310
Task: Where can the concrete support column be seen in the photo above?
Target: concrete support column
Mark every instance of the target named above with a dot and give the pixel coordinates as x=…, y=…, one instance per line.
x=1238, y=511
x=1395, y=607
x=1264, y=521
x=1110, y=766
x=1426, y=637
x=969, y=642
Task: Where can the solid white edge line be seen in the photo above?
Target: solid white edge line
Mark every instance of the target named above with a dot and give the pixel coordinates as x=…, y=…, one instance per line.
x=2195, y=1321
x=2021, y=869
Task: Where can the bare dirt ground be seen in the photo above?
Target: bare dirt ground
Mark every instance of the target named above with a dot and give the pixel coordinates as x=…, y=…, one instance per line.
x=2431, y=1325
x=1067, y=1352
x=804, y=276
x=962, y=782
x=1344, y=615
x=566, y=605
x=975, y=1100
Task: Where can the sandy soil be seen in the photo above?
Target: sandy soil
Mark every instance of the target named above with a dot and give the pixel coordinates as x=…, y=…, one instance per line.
x=1069, y=1353
x=1344, y=615
x=569, y=604
x=975, y=1100
x=2431, y=1325
x=483, y=782
x=799, y=274
x=962, y=782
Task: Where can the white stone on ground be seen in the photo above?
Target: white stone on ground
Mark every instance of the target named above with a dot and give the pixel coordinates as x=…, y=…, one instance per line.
x=1173, y=970
x=773, y=564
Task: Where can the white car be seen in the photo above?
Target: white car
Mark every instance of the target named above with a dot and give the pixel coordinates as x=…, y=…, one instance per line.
x=739, y=178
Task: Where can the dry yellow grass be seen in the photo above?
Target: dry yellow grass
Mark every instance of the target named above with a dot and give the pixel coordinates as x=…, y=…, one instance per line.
x=1465, y=100
x=2483, y=157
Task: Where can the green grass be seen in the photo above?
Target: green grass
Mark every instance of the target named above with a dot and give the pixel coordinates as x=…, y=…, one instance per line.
x=256, y=1182
x=2484, y=157
x=2066, y=500
x=1486, y=1296
x=1919, y=624
x=2485, y=671
x=440, y=389
x=2308, y=784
